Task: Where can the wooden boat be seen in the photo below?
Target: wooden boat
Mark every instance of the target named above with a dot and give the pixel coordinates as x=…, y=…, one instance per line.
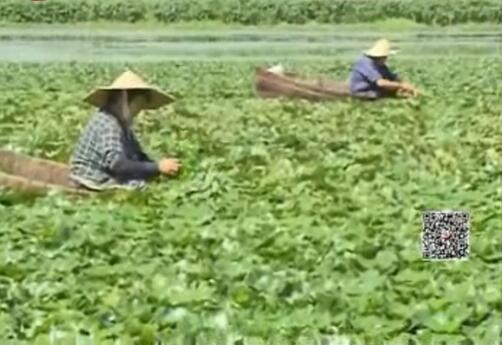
x=272, y=85
x=28, y=174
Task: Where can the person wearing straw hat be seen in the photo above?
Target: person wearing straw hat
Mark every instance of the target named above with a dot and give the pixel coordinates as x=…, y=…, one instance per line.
x=371, y=78
x=108, y=154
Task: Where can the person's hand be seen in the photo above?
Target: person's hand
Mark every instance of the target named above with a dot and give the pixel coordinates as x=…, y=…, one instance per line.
x=169, y=166
x=408, y=88
x=405, y=86
x=415, y=92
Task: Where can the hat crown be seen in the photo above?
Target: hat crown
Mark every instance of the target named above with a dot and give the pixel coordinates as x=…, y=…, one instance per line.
x=129, y=80
x=383, y=44
x=380, y=48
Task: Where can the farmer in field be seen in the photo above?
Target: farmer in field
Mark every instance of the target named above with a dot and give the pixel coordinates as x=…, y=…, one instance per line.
x=107, y=154
x=372, y=79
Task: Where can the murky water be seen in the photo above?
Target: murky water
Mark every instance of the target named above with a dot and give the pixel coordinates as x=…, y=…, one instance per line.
x=137, y=46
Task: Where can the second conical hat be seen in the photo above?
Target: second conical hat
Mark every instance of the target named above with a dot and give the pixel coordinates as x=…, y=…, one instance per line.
x=381, y=48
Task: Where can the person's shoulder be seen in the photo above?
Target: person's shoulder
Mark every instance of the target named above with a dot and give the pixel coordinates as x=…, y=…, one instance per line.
x=104, y=117
x=102, y=121
x=362, y=60
x=365, y=59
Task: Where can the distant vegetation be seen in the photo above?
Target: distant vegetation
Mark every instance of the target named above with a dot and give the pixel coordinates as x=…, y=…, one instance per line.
x=252, y=12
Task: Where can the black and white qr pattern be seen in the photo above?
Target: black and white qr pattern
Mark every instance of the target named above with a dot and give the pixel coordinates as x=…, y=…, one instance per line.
x=445, y=235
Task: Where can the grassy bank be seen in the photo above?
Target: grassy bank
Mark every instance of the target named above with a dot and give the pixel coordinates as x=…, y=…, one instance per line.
x=253, y=12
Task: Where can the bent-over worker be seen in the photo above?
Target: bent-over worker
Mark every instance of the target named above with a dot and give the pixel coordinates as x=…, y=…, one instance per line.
x=108, y=154
x=371, y=78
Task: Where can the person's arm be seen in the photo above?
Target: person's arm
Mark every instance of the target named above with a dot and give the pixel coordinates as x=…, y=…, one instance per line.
x=126, y=169
x=398, y=86
x=388, y=84
x=378, y=76
x=142, y=156
x=381, y=77
x=401, y=84
x=115, y=160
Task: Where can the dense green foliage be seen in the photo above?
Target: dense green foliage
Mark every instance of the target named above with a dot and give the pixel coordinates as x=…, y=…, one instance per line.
x=253, y=11
x=290, y=218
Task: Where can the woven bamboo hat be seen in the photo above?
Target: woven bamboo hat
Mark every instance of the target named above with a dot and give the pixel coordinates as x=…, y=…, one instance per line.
x=130, y=81
x=381, y=48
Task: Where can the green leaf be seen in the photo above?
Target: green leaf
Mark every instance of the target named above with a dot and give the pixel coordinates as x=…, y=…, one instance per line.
x=148, y=335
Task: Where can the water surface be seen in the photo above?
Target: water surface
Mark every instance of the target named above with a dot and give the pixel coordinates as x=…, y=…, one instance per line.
x=75, y=45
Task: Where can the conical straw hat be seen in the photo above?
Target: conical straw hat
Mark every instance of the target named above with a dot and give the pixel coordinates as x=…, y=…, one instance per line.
x=381, y=48
x=130, y=81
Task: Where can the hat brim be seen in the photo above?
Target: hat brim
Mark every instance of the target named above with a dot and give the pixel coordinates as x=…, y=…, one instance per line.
x=157, y=98
x=379, y=54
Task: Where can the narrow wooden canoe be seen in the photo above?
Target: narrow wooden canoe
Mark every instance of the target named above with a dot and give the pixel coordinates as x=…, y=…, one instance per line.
x=290, y=85
x=28, y=174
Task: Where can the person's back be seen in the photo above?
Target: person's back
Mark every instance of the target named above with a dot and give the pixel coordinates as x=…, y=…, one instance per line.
x=96, y=150
x=365, y=75
x=358, y=78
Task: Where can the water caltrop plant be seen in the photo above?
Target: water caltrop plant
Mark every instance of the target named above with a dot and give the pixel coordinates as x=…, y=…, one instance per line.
x=292, y=221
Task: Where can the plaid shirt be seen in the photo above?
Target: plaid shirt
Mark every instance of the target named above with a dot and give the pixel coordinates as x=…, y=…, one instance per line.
x=102, y=143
